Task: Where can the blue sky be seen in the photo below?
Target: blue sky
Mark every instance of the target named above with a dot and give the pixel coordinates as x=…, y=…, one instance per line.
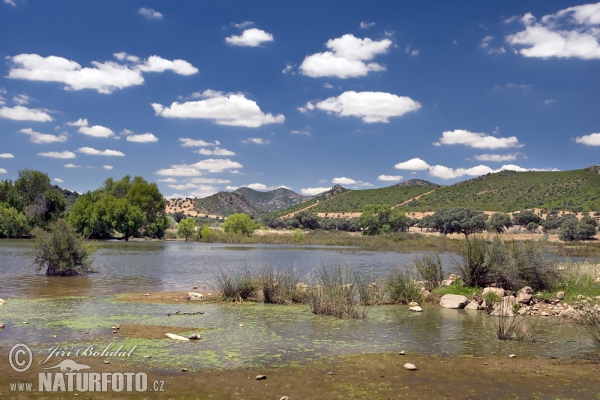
x=209, y=96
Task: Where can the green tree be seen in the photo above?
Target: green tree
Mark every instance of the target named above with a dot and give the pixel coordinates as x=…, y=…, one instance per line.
x=465, y=220
x=126, y=218
x=186, y=228
x=380, y=218
x=32, y=184
x=568, y=229
x=12, y=222
x=524, y=217
x=240, y=224
x=61, y=251
x=498, y=222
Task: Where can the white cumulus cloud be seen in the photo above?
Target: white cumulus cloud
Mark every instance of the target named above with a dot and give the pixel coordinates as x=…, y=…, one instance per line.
x=255, y=140
x=93, y=152
x=390, y=178
x=477, y=140
x=257, y=186
x=343, y=181
x=96, y=131
x=20, y=113
x=142, y=138
x=230, y=109
x=72, y=166
x=252, y=37
x=313, y=191
x=570, y=33
x=149, y=13
x=37, y=137
x=6, y=155
x=177, y=170
x=104, y=77
x=371, y=107
x=590, y=140
x=496, y=157
x=186, y=142
x=2, y=171
x=79, y=122
x=58, y=180
x=107, y=167
x=56, y=154
x=168, y=180
x=346, y=58
x=366, y=25
x=217, y=152
x=414, y=164
x=216, y=165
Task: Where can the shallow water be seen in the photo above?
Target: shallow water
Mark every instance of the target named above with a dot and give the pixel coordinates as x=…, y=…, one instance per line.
x=165, y=266
x=271, y=336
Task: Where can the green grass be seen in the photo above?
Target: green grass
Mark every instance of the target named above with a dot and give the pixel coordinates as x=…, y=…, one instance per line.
x=509, y=191
x=456, y=288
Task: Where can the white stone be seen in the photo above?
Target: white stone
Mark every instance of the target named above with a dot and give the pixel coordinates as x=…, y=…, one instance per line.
x=260, y=377
x=473, y=305
x=410, y=367
x=560, y=295
x=453, y=301
x=195, y=296
x=1, y=302
x=176, y=337
x=413, y=303
x=497, y=291
x=415, y=309
x=524, y=295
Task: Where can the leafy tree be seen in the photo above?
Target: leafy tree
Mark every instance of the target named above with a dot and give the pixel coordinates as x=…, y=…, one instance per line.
x=524, y=217
x=239, y=223
x=498, y=222
x=307, y=220
x=126, y=218
x=377, y=219
x=151, y=202
x=465, y=220
x=205, y=232
x=186, y=227
x=12, y=222
x=10, y=195
x=32, y=184
x=61, y=251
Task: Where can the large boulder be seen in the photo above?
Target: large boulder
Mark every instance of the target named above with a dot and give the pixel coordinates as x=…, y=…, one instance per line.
x=195, y=296
x=494, y=290
x=453, y=301
x=525, y=295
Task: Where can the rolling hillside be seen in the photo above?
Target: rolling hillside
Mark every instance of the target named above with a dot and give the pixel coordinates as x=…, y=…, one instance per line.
x=507, y=191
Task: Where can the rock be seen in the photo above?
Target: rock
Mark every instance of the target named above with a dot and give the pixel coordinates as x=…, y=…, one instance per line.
x=453, y=301
x=115, y=327
x=284, y=398
x=505, y=307
x=446, y=282
x=560, y=295
x=580, y=296
x=413, y=304
x=415, y=309
x=241, y=325
x=512, y=355
x=176, y=337
x=195, y=287
x=569, y=312
x=477, y=298
x=497, y=291
x=25, y=322
x=453, y=277
x=544, y=314
x=1, y=326
x=410, y=367
x=195, y=336
x=195, y=296
x=1, y=302
x=401, y=353
x=184, y=370
x=425, y=294
x=260, y=377
x=106, y=362
x=473, y=305
x=147, y=294
x=525, y=295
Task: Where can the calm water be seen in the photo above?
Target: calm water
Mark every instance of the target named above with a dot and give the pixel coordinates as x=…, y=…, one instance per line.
x=165, y=266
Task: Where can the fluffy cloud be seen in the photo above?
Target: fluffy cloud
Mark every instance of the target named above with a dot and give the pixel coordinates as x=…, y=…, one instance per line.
x=93, y=152
x=96, y=131
x=257, y=186
x=2, y=171
x=56, y=154
x=72, y=166
x=366, y=25
x=255, y=140
x=6, y=155
x=104, y=77
x=414, y=164
x=390, y=178
x=168, y=180
x=370, y=106
x=20, y=113
x=58, y=180
x=313, y=191
x=142, y=138
x=159, y=64
x=209, y=180
x=176, y=170
x=252, y=37
x=149, y=13
x=107, y=167
x=230, y=109
x=346, y=58
x=571, y=32
x=344, y=181
x=210, y=165
x=496, y=157
x=21, y=99
x=186, y=142
x=37, y=137
x=590, y=140
x=477, y=140
x=217, y=152
x=204, y=191
x=244, y=24
x=79, y=122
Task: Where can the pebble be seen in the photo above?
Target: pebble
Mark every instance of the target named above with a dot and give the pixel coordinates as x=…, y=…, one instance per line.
x=176, y=300
x=284, y=398
x=410, y=367
x=25, y=322
x=147, y=294
x=184, y=370
x=1, y=326
x=401, y=353
x=195, y=287
x=114, y=331
x=195, y=336
x=260, y=377
x=106, y=362
x=415, y=309
x=512, y=355
x=544, y=314
x=241, y=325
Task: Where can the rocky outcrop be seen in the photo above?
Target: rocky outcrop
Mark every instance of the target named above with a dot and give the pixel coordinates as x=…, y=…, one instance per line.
x=454, y=301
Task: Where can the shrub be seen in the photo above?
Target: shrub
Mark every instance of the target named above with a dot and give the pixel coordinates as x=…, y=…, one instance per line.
x=241, y=224
x=61, y=251
x=205, y=232
x=473, y=270
x=281, y=287
x=401, y=287
x=236, y=286
x=430, y=270
x=335, y=295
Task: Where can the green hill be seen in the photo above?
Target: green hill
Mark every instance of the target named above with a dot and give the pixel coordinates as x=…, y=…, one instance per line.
x=577, y=190
x=355, y=200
